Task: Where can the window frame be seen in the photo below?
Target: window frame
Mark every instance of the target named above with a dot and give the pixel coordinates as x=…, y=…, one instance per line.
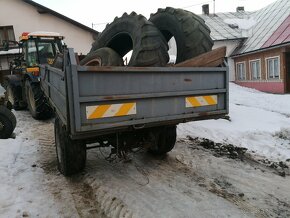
x=5, y=29
x=279, y=67
x=237, y=70
x=250, y=69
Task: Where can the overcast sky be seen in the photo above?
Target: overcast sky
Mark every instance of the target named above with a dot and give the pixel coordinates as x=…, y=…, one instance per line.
x=99, y=12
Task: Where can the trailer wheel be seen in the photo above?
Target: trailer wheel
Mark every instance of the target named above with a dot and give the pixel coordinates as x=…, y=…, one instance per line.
x=191, y=34
x=102, y=57
x=166, y=139
x=134, y=32
x=36, y=101
x=7, y=122
x=71, y=154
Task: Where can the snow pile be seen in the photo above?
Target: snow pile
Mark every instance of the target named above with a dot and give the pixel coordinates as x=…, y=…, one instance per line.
x=244, y=24
x=258, y=121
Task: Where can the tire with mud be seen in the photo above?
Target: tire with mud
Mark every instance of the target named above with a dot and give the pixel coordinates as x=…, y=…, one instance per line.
x=191, y=34
x=102, y=57
x=36, y=101
x=165, y=141
x=13, y=95
x=71, y=154
x=134, y=32
x=7, y=122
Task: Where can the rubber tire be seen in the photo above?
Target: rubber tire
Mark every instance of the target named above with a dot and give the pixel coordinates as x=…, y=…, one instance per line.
x=8, y=120
x=41, y=110
x=104, y=57
x=191, y=34
x=12, y=95
x=134, y=32
x=71, y=154
x=166, y=140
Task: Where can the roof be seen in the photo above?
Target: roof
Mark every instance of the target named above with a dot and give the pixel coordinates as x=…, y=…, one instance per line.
x=10, y=52
x=42, y=10
x=268, y=20
x=267, y=27
x=224, y=26
x=281, y=35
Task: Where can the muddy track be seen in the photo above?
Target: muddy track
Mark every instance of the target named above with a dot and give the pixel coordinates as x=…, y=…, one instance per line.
x=191, y=181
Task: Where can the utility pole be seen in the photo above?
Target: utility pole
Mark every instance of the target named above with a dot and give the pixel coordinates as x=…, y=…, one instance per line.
x=213, y=7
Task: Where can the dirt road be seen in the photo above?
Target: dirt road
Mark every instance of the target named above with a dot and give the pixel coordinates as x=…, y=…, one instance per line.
x=191, y=181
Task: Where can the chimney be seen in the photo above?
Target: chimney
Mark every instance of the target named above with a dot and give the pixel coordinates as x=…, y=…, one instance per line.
x=205, y=9
x=240, y=9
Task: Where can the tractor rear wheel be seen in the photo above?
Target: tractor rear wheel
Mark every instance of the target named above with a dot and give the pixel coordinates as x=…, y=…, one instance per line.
x=13, y=95
x=36, y=101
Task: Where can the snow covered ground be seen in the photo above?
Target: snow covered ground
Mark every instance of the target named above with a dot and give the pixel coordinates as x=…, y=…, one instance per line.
x=189, y=182
x=258, y=121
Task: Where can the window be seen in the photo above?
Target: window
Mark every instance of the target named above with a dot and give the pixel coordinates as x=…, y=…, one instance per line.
x=255, y=69
x=241, y=71
x=6, y=34
x=273, y=68
x=32, y=54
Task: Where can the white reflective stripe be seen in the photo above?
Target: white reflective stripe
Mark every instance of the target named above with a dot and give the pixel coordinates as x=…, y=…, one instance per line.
x=112, y=110
x=198, y=101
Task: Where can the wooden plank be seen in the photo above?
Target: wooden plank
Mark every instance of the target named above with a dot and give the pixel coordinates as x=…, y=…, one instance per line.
x=212, y=58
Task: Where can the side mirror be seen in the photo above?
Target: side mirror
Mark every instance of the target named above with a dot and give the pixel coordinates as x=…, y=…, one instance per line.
x=5, y=45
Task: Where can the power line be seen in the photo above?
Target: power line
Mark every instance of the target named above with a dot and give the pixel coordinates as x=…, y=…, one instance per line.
x=189, y=6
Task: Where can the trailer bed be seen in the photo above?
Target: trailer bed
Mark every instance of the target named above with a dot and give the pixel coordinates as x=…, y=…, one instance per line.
x=94, y=101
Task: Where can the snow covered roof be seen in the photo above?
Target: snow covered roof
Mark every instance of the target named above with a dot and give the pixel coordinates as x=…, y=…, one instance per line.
x=227, y=26
x=266, y=27
x=11, y=51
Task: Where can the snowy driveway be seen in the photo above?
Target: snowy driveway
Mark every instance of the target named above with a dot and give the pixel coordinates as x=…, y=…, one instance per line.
x=191, y=181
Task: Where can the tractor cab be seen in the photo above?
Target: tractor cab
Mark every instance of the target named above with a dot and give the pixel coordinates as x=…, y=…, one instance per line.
x=39, y=48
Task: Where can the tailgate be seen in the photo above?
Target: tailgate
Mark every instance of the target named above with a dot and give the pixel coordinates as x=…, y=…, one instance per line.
x=105, y=99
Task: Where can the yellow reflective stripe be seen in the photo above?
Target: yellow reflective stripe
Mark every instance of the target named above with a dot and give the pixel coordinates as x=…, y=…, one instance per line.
x=210, y=100
x=111, y=110
x=193, y=101
x=125, y=108
x=99, y=111
x=198, y=101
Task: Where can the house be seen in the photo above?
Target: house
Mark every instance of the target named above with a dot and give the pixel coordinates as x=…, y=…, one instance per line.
x=31, y=17
x=258, y=45
x=263, y=60
x=226, y=33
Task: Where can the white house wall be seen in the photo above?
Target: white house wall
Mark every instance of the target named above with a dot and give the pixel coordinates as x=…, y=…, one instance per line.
x=231, y=46
x=25, y=18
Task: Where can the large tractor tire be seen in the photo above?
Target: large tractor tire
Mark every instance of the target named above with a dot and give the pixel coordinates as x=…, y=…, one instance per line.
x=192, y=35
x=134, y=32
x=165, y=141
x=7, y=122
x=102, y=57
x=13, y=95
x=71, y=154
x=36, y=101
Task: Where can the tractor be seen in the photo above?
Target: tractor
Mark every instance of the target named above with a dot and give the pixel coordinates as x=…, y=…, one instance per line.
x=23, y=84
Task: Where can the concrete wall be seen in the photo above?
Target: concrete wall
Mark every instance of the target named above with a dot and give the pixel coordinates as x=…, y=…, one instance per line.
x=25, y=18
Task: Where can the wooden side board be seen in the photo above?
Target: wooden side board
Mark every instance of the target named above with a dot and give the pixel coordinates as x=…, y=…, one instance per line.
x=212, y=58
